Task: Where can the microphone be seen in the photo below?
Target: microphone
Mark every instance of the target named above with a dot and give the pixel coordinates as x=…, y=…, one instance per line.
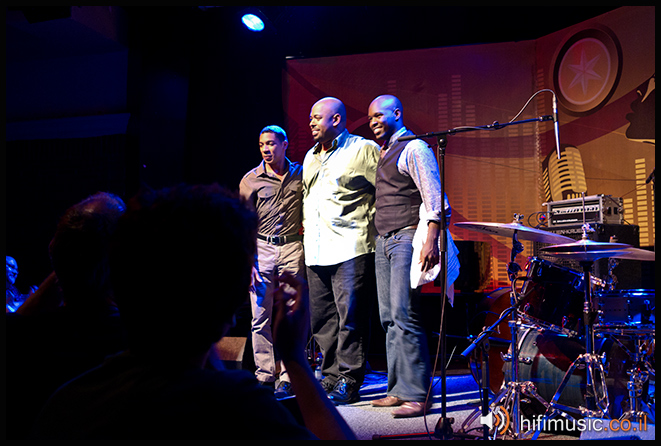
x=556, y=125
x=651, y=177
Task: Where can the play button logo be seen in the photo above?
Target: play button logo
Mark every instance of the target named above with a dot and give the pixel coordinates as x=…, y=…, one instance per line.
x=498, y=418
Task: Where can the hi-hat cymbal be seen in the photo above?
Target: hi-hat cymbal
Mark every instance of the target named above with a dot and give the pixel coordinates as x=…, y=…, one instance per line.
x=584, y=245
x=588, y=255
x=623, y=254
x=636, y=254
x=522, y=232
x=587, y=250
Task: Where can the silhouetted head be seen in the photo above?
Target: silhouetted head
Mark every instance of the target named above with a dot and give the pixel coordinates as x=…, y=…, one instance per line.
x=80, y=247
x=181, y=265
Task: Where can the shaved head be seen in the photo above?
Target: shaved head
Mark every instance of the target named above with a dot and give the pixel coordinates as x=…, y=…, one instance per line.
x=333, y=106
x=385, y=116
x=328, y=118
x=388, y=101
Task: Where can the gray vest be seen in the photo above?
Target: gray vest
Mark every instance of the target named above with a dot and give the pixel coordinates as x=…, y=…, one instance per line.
x=397, y=197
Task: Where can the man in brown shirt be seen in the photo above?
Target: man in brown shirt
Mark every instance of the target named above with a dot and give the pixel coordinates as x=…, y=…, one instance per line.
x=274, y=187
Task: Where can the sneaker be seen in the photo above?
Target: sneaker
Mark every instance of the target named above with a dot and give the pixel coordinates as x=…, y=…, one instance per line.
x=345, y=392
x=283, y=391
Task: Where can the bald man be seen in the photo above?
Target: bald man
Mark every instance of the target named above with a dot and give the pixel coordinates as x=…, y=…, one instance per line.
x=339, y=175
x=408, y=195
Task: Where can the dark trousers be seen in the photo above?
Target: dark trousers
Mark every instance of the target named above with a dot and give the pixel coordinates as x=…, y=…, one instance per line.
x=341, y=299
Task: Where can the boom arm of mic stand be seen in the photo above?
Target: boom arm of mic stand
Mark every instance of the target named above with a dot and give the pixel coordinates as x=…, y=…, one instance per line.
x=495, y=126
x=487, y=332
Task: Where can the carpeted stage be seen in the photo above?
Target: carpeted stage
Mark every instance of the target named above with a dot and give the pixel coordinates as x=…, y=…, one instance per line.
x=463, y=398
x=370, y=423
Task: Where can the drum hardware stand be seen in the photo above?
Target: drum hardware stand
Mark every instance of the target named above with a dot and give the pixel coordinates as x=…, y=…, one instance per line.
x=611, y=282
x=596, y=406
x=510, y=395
x=639, y=374
x=482, y=342
x=637, y=379
x=596, y=394
x=593, y=361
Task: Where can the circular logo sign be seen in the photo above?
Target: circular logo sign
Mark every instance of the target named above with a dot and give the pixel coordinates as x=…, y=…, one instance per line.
x=587, y=70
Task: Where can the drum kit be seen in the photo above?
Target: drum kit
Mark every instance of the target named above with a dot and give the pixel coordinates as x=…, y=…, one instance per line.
x=578, y=348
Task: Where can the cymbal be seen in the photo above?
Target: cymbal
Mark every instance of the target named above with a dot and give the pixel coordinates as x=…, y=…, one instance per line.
x=588, y=255
x=587, y=250
x=636, y=254
x=509, y=229
x=624, y=254
x=585, y=245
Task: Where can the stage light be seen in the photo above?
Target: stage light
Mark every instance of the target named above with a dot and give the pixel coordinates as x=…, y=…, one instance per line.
x=252, y=22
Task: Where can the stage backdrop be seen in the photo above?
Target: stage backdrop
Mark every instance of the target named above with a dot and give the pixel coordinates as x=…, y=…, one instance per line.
x=602, y=72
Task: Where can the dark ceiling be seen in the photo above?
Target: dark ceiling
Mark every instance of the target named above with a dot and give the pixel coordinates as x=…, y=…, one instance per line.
x=310, y=31
x=304, y=31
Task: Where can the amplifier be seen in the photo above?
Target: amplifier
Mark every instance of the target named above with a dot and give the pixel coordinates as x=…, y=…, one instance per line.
x=598, y=209
x=628, y=272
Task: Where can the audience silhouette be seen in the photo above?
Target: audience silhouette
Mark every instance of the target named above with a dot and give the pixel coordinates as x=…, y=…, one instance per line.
x=181, y=264
x=69, y=324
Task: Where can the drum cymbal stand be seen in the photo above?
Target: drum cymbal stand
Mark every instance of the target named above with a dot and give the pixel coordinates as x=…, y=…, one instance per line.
x=596, y=393
x=509, y=397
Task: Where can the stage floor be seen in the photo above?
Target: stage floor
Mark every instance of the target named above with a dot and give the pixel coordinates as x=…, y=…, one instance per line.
x=463, y=399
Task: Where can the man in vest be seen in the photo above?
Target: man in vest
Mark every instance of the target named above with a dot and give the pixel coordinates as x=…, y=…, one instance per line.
x=408, y=195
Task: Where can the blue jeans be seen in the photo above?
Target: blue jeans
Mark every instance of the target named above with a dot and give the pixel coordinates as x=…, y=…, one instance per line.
x=341, y=299
x=409, y=369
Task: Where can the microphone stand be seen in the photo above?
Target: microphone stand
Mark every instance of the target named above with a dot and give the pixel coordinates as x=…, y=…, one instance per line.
x=443, y=429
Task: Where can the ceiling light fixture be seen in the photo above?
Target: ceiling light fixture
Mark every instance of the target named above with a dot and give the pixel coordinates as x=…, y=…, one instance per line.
x=252, y=22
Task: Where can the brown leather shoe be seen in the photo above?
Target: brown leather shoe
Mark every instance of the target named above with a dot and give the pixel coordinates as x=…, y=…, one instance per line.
x=389, y=401
x=410, y=409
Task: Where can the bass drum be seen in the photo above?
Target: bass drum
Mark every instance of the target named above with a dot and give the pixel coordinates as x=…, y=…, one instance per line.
x=544, y=358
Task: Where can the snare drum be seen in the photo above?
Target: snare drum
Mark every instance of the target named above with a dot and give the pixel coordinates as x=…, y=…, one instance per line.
x=626, y=307
x=552, y=296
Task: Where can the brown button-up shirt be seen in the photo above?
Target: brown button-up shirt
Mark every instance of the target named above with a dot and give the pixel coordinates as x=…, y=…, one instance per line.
x=279, y=203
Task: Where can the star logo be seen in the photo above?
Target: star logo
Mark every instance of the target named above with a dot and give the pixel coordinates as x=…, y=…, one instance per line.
x=584, y=71
x=587, y=70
